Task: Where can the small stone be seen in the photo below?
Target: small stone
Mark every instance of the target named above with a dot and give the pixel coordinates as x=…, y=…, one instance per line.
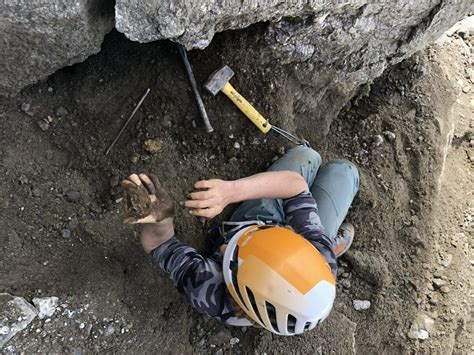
x=36, y=192
x=411, y=114
x=193, y=123
x=43, y=125
x=135, y=158
x=346, y=283
x=377, y=140
x=50, y=89
x=66, y=233
x=82, y=326
x=417, y=333
x=220, y=338
x=236, y=145
x=152, y=146
x=234, y=341
x=445, y=289
x=4, y=330
x=466, y=89
x=426, y=323
x=438, y=283
x=46, y=306
x=361, y=305
x=389, y=135
x=23, y=180
x=445, y=260
x=433, y=299
x=423, y=334
x=26, y=108
x=109, y=330
x=61, y=112
x=73, y=223
x=73, y=195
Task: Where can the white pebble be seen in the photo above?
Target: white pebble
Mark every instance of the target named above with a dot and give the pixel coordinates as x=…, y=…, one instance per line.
x=361, y=305
x=423, y=334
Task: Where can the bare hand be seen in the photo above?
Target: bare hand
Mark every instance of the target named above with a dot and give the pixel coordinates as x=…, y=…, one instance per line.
x=146, y=200
x=211, y=202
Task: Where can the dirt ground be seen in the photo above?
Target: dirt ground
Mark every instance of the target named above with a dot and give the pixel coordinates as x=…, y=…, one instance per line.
x=60, y=201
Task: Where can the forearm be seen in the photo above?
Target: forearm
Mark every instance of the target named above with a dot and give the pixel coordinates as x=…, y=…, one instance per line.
x=155, y=234
x=270, y=184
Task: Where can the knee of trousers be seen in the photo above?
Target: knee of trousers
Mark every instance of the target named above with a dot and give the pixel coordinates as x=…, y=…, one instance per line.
x=352, y=168
x=306, y=155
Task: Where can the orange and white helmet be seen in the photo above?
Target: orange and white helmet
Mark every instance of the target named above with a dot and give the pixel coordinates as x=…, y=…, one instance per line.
x=279, y=279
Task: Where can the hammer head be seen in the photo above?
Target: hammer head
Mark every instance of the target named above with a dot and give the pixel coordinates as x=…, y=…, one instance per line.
x=218, y=79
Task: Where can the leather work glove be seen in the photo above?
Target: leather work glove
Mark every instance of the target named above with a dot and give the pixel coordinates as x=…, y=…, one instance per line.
x=146, y=200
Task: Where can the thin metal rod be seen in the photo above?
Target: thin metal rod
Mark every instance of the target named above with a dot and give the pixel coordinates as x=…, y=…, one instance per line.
x=292, y=138
x=197, y=95
x=127, y=122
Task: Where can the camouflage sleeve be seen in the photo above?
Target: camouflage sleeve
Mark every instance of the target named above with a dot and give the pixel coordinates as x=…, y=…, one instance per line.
x=301, y=213
x=199, y=279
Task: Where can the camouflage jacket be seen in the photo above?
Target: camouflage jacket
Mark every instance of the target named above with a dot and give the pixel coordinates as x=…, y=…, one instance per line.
x=200, y=278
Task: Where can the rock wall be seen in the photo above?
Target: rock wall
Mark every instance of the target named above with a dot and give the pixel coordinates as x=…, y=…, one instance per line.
x=40, y=37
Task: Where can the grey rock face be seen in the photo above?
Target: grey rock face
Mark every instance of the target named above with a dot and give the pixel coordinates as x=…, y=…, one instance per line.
x=308, y=24
x=194, y=23
x=40, y=37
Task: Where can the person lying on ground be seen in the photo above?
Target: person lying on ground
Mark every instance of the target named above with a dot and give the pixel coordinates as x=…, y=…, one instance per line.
x=275, y=260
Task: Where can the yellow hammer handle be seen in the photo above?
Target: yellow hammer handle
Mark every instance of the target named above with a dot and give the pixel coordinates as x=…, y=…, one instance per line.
x=248, y=110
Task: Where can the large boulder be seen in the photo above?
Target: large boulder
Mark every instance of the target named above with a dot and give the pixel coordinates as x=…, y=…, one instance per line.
x=329, y=48
x=40, y=37
x=194, y=23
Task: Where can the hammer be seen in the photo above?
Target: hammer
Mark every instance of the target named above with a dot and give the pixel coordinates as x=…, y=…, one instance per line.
x=219, y=81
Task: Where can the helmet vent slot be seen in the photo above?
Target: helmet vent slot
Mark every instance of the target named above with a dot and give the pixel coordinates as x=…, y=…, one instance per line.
x=291, y=323
x=254, y=304
x=307, y=325
x=234, y=268
x=272, y=315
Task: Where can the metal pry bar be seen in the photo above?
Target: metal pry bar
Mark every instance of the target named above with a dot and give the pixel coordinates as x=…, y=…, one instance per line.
x=292, y=138
x=126, y=123
x=197, y=95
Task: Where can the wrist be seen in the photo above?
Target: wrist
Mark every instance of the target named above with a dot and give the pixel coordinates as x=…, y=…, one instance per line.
x=153, y=235
x=233, y=191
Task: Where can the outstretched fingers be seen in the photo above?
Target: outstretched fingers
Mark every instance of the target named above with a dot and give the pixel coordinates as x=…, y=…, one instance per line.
x=135, y=179
x=200, y=195
x=197, y=203
x=160, y=190
x=148, y=184
x=205, y=212
x=203, y=184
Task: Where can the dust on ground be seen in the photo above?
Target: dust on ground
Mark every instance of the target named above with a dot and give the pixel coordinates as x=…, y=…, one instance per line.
x=61, y=203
